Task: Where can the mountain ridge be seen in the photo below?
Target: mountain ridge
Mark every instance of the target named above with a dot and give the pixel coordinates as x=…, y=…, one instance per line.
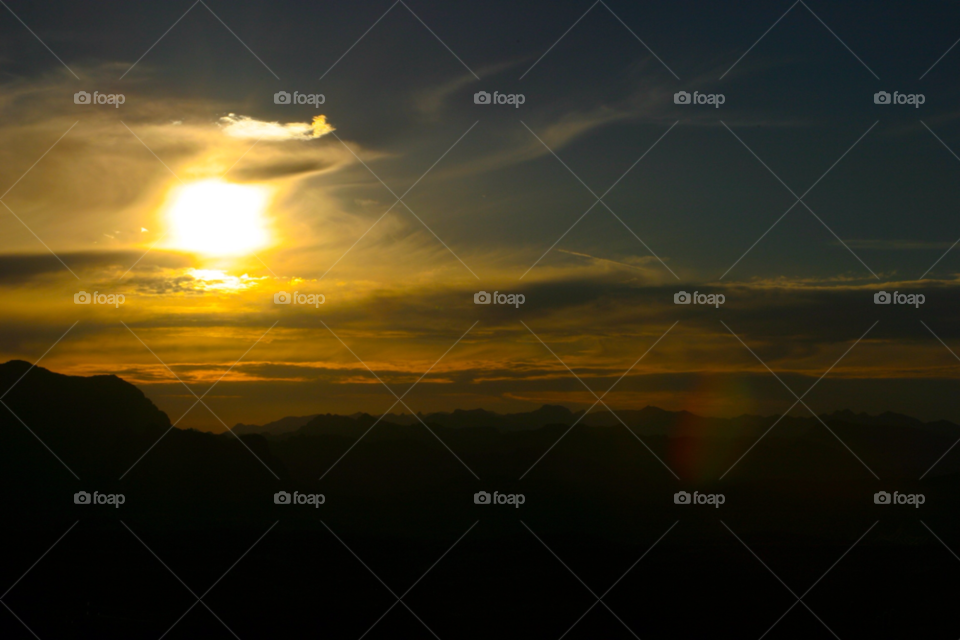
x=103, y=425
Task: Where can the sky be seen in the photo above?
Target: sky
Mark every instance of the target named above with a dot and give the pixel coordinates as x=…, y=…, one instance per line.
x=396, y=198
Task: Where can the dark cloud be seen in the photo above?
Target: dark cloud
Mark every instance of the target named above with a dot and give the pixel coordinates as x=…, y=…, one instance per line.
x=17, y=269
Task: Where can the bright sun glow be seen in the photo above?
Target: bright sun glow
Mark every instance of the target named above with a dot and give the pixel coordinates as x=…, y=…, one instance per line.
x=218, y=218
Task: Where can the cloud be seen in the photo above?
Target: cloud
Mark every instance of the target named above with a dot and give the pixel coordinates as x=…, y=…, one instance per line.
x=20, y=268
x=896, y=245
x=246, y=127
x=162, y=140
x=649, y=266
x=192, y=281
x=433, y=100
x=255, y=170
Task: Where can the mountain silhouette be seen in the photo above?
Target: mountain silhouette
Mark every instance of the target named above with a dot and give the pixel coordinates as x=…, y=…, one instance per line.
x=102, y=425
x=277, y=427
x=399, y=492
x=65, y=429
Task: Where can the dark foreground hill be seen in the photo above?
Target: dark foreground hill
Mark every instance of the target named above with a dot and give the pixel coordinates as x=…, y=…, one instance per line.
x=399, y=494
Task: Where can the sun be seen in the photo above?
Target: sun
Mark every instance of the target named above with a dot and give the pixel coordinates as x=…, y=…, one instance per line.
x=218, y=218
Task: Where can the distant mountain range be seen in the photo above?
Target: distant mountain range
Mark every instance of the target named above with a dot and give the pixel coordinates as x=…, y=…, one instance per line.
x=102, y=425
x=275, y=428
x=650, y=421
x=460, y=418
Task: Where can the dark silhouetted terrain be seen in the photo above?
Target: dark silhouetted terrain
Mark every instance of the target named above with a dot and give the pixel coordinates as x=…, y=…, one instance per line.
x=399, y=498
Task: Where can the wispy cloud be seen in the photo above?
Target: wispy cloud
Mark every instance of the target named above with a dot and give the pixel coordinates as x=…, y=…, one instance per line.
x=897, y=245
x=249, y=128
